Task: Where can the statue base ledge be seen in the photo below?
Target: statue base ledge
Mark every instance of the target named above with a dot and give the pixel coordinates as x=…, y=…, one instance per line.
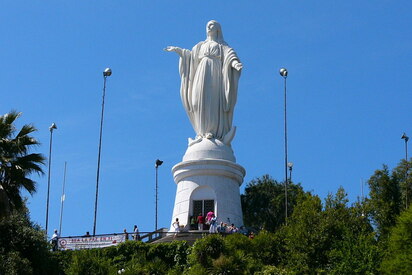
x=209, y=149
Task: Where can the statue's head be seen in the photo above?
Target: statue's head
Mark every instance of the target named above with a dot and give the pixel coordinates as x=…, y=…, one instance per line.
x=213, y=28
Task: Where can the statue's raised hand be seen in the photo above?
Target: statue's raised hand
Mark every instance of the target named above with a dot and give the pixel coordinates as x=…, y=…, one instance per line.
x=174, y=49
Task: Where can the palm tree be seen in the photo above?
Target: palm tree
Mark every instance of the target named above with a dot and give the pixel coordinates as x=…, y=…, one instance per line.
x=16, y=163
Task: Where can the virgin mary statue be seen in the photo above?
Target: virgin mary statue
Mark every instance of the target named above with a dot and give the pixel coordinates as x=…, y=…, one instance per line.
x=209, y=79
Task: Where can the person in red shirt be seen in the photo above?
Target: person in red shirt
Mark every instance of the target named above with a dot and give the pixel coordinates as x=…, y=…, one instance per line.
x=200, y=221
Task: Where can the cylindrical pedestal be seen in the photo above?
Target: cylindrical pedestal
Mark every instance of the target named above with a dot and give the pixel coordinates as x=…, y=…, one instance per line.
x=212, y=184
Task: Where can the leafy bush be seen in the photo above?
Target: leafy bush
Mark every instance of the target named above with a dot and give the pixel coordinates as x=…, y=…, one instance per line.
x=267, y=247
x=172, y=254
x=398, y=258
x=23, y=247
x=206, y=249
x=90, y=262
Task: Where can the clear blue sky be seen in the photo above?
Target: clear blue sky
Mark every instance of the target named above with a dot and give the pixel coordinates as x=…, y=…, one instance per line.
x=349, y=95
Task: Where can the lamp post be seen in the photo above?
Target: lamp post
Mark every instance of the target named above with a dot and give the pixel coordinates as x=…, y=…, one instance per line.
x=290, y=166
x=107, y=72
x=406, y=138
x=284, y=73
x=62, y=199
x=157, y=164
x=51, y=128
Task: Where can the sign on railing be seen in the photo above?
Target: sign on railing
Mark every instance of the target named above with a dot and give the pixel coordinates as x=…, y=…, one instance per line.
x=75, y=243
x=100, y=241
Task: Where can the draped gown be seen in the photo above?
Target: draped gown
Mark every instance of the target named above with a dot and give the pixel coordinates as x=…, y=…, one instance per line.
x=209, y=88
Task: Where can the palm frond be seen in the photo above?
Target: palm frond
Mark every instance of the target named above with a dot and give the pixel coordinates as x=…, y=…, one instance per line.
x=10, y=117
x=16, y=164
x=25, y=130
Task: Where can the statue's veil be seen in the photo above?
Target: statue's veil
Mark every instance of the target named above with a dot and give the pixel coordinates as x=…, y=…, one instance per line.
x=220, y=38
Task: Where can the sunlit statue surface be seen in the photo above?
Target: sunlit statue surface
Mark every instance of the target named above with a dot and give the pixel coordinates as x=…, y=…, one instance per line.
x=209, y=80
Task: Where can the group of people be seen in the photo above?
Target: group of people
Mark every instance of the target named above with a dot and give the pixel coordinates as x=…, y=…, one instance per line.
x=135, y=234
x=209, y=221
x=225, y=228
x=202, y=222
x=228, y=229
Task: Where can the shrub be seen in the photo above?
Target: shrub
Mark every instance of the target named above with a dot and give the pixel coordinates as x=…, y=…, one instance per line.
x=23, y=247
x=206, y=249
x=90, y=262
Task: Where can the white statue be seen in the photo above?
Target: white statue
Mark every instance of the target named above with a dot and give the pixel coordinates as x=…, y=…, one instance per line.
x=209, y=80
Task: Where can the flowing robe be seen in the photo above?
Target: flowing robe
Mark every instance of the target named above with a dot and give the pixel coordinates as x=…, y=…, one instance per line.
x=209, y=87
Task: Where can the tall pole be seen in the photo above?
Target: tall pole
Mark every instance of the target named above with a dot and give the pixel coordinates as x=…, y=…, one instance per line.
x=406, y=138
x=51, y=128
x=157, y=164
x=284, y=73
x=290, y=166
x=107, y=72
x=62, y=199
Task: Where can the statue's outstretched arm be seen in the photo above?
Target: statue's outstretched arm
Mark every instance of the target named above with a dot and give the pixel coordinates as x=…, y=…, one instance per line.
x=177, y=50
x=237, y=65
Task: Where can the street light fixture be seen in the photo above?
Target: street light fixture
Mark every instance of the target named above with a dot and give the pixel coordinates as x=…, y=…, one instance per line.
x=107, y=72
x=406, y=138
x=51, y=128
x=284, y=73
x=157, y=164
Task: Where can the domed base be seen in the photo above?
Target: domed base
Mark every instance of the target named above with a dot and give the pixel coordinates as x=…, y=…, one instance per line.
x=209, y=149
x=211, y=181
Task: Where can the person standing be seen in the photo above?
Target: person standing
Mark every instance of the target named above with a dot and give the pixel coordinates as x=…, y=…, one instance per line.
x=176, y=226
x=126, y=235
x=54, y=240
x=200, y=222
x=192, y=223
x=213, y=225
x=136, y=234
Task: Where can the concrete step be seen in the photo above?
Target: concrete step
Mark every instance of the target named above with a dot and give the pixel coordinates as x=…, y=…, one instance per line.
x=190, y=237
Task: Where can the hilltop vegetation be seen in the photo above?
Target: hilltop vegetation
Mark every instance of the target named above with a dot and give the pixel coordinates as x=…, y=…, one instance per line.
x=370, y=236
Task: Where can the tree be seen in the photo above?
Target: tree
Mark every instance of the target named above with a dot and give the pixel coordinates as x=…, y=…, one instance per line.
x=263, y=202
x=401, y=174
x=398, y=258
x=304, y=240
x=384, y=203
x=353, y=247
x=16, y=162
x=23, y=246
x=334, y=239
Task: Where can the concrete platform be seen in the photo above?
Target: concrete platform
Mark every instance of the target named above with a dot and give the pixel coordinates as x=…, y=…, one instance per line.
x=189, y=236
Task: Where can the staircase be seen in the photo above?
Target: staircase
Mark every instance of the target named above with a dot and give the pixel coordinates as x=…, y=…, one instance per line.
x=189, y=236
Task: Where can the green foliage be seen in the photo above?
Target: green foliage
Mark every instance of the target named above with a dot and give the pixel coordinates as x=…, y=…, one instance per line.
x=215, y=254
x=401, y=174
x=172, y=254
x=398, y=258
x=197, y=269
x=304, y=239
x=333, y=240
x=14, y=263
x=274, y=270
x=263, y=203
x=23, y=247
x=329, y=238
x=16, y=163
x=125, y=252
x=134, y=257
x=206, y=249
x=385, y=200
x=268, y=247
x=90, y=262
x=226, y=265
